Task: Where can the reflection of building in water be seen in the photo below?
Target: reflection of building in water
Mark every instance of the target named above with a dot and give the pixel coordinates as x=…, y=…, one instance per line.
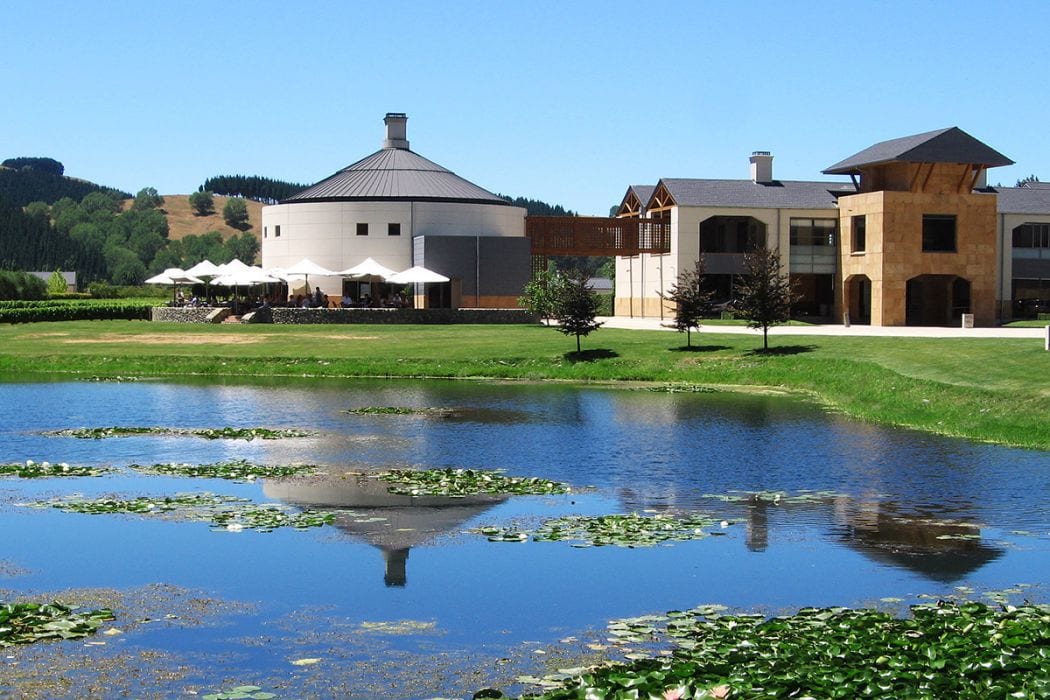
x=390, y=522
x=941, y=549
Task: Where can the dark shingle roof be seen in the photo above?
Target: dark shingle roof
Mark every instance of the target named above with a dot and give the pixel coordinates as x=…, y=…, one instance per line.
x=1022, y=200
x=396, y=174
x=788, y=194
x=642, y=192
x=951, y=145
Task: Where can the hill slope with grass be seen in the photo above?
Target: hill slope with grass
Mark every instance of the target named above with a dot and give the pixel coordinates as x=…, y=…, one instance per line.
x=182, y=221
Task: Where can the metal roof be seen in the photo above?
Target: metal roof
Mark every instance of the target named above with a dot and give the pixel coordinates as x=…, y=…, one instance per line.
x=396, y=174
x=951, y=145
x=787, y=194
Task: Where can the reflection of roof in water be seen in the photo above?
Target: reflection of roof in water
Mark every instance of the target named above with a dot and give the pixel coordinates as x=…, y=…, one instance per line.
x=392, y=522
x=917, y=545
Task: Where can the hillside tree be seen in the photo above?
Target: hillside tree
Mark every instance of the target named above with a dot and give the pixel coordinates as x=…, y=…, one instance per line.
x=764, y=294
x=202, y=203
x=147, y=198
x=235, y=213
x=692, y=300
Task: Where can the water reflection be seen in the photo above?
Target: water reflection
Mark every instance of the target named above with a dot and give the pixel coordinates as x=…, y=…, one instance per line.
x=393, y=523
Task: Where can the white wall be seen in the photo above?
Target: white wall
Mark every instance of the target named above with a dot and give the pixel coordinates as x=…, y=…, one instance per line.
x=326, y=232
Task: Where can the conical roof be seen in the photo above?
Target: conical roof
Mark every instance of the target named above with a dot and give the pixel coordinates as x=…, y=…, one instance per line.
x=395, y=174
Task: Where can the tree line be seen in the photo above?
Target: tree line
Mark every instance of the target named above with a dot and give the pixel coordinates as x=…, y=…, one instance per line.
x=32, y=184
x=101, y=240
x=261, y=189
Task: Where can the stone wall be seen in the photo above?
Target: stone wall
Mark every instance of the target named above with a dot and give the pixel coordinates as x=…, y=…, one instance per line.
x=315, y=316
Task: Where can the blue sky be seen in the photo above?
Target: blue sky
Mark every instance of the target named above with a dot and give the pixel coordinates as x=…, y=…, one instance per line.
x=568, y=102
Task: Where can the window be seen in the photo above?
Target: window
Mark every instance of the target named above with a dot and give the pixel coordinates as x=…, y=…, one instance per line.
x=276, y=231
x=393, y=229
x=813, y=231
x=362, y=229
x=1032, y=236
x=731, y=234
x=264, y=232
x=859, y=224
x=938, y=233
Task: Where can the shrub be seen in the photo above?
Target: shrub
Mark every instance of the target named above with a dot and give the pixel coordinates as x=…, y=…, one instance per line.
x=21, y=285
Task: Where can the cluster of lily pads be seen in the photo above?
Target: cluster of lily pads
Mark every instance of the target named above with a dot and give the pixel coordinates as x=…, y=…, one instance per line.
x=389, y=411
x=208, y=433
x=944, y=649
x=627, y=530
x=233, y=470
x=241, y=692
x=458, y=483
x=223, y=512
x=41, y=470
x=801, y=497
x=25, y=623
x=682, y=389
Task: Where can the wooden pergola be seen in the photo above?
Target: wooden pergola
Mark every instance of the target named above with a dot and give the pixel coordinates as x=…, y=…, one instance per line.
x=597, y=236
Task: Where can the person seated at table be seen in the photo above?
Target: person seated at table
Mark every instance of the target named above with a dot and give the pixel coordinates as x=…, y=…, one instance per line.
x=347, y=301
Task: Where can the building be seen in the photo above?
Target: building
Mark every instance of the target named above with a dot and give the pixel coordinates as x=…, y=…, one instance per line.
x=401, y=209
x=915, y=237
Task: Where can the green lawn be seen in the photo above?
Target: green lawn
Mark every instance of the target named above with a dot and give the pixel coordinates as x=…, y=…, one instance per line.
x=995, y=390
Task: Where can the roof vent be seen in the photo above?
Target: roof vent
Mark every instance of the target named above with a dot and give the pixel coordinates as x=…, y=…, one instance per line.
x=396, y=130
x=761, y=167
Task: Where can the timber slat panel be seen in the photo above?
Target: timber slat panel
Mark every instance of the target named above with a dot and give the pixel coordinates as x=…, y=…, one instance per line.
x=592, y=235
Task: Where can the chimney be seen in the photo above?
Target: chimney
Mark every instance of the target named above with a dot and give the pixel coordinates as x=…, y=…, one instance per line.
x=761, y=167
x=396, y=130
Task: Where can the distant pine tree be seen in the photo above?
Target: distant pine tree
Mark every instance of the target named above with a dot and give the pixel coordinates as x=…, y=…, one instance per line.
x=260, y=189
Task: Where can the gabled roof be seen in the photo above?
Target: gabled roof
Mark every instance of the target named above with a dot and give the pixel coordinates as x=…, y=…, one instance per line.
x=396, y=174
x=951, y=145
x=1021, y=200
x=787, y=194
x=638, y=195
x=642, y=192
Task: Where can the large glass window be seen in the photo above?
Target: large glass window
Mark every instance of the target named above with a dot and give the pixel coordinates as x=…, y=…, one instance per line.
x=813, y=231
x=731, y=234
x=938, y=233
x=859, y=224
x=1032, y=236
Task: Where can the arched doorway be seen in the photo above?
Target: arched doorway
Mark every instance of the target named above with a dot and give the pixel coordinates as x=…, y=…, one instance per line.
x=936, y=300
x=858, y=299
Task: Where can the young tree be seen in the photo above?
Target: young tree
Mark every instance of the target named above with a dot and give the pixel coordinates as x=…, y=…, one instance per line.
x=764, y=293
x=235, y=213
x=56, y=283
x=540, y=293
x=692, y=301
x=575, y=307
x=202, y=203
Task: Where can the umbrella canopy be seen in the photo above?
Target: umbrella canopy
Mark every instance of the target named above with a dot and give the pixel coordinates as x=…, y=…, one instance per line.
x=417, y=275
x=244, y=278
x=174, y=275
x=368, y=268
x=205, y=268
x=307, y=267
x=233, y=267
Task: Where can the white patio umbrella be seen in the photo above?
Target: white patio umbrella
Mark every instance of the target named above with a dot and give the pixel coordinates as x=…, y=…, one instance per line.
x=417, y=275
x=205, y=268
x=174, y=276
x=368, y=268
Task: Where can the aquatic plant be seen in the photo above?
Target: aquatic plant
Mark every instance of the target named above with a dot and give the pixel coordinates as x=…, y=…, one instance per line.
x=25, y=623
x=458, y=483
x=630, y=530
x=208, y=433
x=229, y=513
x=944, y=649
x=40, y=470
x=234, y=470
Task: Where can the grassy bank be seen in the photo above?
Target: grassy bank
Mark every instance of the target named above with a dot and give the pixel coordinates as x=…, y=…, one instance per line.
x=990, y=390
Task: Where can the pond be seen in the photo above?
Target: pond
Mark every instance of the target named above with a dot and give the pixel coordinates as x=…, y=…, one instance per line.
x=399, y=597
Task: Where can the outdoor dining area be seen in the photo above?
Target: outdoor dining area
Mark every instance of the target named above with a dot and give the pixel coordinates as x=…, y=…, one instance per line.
x=244, y=288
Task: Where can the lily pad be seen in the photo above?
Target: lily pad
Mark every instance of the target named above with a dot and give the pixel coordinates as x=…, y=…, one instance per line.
x=207, y=433
x=42, y=470
x=26, y=623
x=631, y=530
x=234, y=470
x=465, y=482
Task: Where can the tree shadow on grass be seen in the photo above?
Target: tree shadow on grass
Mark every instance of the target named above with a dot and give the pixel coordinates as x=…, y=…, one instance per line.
x=783, y=350
x=700, y=348
x=590, y=355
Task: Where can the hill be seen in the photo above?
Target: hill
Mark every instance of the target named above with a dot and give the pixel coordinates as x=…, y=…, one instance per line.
x=183, y=222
